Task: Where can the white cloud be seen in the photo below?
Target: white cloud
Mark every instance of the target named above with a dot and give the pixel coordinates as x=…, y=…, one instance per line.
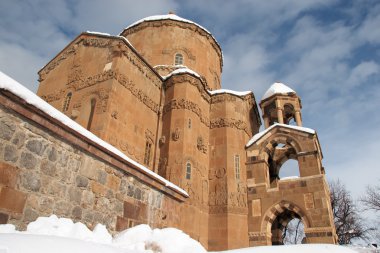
x=21, y=64
x=361, y=72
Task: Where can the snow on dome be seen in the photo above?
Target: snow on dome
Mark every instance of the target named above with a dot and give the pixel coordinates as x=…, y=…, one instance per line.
x=165, y=17
x=277, y=88
x=237, y=93
x=257, y=136
x=172, y=16
x=19, y=90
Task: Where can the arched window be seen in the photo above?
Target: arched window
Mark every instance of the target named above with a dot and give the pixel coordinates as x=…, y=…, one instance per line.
x=189, y=124
x=237, y=166
x=148, y=147
x=178, y=59
x=289, y=113
x=92, y=111
x=188, y=170
x=66, y=104
x=289, y=169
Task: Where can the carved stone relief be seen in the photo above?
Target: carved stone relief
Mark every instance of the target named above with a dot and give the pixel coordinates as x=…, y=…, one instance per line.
x=114, y=114
x=162, y=140
x=176, y=134
x=149, y=135
x=187, y=105
x=200, y=145
x=104, y=76
x=103, y=96
x=201, y=85
x=233, y=123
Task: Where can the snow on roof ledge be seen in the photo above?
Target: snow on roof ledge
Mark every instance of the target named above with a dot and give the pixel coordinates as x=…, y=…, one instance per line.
x=181, y=70
x=277, y=88
x=257, y=136
x=223, y=91
x=19, y=90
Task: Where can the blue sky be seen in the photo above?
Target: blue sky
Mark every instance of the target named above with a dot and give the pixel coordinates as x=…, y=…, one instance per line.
x=326, y=50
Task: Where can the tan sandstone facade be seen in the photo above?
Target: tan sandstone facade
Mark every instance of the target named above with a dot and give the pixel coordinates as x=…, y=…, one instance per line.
x=133, y=91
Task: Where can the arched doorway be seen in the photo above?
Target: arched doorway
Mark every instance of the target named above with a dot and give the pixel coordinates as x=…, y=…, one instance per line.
x=285, y=223
x=288, y=228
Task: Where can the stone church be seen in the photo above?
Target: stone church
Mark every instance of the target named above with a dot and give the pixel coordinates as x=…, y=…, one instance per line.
x=154, y=92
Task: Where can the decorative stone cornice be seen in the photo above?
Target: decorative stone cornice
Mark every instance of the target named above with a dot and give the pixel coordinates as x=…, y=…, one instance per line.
x=227, y=97
x=201, y=85
x=107, y=75
x=215, y=123
x=116, y=44
x=229, y=122
x=186, y=105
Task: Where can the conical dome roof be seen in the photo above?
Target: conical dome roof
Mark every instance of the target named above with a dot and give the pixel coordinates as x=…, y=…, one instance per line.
x=277, y=88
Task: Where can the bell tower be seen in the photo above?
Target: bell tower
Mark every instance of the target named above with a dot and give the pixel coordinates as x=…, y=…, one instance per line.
x=280, y=104
x=273, y=202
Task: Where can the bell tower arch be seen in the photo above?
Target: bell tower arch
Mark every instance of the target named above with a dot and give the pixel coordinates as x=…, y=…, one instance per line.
x=274, y=201
x=280, y=104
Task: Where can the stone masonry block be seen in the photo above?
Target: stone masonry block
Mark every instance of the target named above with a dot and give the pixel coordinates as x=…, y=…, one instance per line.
x=31, y=181
x=12, y=200
x=19, y=139
x=7, y=129
x=89, y=172
x=8, y=175
x=28, y=161
x=113, y=182
x=10, y=153
x=98, y=189
x=35, y=146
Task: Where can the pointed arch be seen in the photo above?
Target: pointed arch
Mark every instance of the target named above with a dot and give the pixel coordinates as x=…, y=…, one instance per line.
x=278, y=208
x=67, y=101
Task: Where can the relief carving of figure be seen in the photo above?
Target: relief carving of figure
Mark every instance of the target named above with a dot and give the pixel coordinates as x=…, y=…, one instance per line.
x=176, y=134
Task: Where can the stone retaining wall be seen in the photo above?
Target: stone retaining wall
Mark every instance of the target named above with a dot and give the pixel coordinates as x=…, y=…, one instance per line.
x=46, y=169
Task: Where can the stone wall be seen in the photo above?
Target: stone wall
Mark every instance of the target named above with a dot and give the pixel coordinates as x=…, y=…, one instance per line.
x=47, y=169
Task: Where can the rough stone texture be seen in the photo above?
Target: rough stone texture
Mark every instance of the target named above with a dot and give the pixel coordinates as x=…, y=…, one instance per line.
x=28, y=160
x=46, y=175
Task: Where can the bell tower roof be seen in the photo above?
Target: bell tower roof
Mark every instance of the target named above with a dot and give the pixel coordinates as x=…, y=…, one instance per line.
x=277, y=88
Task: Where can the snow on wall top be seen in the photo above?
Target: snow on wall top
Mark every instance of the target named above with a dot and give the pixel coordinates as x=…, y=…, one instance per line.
x=176, y=18
x=19, y=90
x=257, y=136
x=277, y=88
x=237, y=93
x=183, y=69
x=111, y=36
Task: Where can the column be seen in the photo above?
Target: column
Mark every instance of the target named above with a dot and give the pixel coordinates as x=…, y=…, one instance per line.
x=280, y=116
x=298, y=118
x=266, y=122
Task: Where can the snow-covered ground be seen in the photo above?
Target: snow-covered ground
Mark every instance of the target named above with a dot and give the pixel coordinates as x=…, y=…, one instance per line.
x=61, y=235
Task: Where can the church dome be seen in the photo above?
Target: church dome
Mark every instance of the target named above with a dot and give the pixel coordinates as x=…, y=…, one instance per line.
x=167, y=40
x=277, y=89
